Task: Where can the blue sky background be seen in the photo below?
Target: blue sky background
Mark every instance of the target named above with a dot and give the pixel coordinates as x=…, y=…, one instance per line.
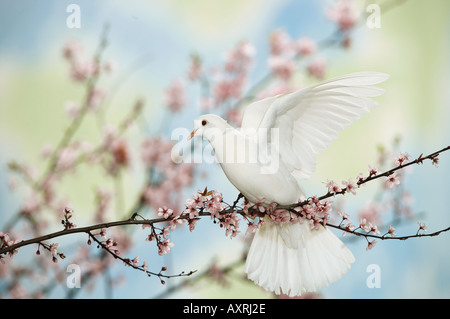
x=412, y=46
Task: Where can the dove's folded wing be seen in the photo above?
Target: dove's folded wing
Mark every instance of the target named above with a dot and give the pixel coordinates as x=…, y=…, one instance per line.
x=310, y=119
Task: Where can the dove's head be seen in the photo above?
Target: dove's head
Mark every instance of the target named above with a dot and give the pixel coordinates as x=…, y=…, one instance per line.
x=208, y=126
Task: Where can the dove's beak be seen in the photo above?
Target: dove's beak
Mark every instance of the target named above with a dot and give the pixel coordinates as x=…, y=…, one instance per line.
x=192, y=134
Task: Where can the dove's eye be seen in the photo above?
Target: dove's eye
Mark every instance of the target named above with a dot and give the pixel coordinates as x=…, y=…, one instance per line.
x=204, y=122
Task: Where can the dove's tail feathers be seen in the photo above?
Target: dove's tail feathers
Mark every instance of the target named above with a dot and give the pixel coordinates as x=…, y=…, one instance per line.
x=292, y=259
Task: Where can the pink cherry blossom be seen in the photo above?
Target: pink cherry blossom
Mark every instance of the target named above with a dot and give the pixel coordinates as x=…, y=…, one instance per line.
x=350, y=186
x=252, y=227
x=401, y=159
x=239, y=58
x=360, y=179
x=373, y=229
x=317, y=68
x=217, y=273
x=333, y=188
x=370, y=244
x=95, y=98
x=207, y=103
x=31, y=204
x=371, y=211
x=363, y=225
x=81, y=71
x=156, y=151
x=120, y=151
x=279, y=42
x=175, y=98
x=392, y=181
x=72, y=49
x=344, y=13
x=305, y=46
x=165, y=232
x=174, y=222
x=103, y=233
x=164, y=247
x=66, y=157
x=192, y=223
x=197, y=200
x=150, y=237
x=345, y=217
x=165, y=212
x=72, y=109
x=281, y=66
x=234, y=116
x=373, y=171
x=422, y=227
x=435, y=161
x=54, y=249
x=191, y=211
x=391, y=231
x=225, y=89
x=109, y=66
x=135, y=261
x=214, y=208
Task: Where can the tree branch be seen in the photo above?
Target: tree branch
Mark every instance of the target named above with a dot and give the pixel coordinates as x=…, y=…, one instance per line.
x=250, y=211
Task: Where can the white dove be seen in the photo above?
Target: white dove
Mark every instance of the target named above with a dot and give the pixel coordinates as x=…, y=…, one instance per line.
x=275, y=147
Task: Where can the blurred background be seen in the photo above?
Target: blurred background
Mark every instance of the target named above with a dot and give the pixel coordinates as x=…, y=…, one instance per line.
x=150, y=44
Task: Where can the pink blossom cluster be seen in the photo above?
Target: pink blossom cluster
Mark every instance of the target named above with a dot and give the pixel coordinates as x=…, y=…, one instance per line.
x=344, y=13
x=162, y=240
x=314, y=211
x=201, y=202
x=401, y=159
x=167, y=178
x=369, y=228
x=82, y=69
x=317, y=68
x=68, y=156
x=285, y=51
x=6, y=241
x=421, y=227
x=115, y=155
x=225, y=84
x=53, y=248
x=347, y=186
x=66, y=221
x=120, y=153
x=216, y=273
x=392, y=181
x=109, y=243
x=175, y=96
x=281, y=60
x=212, y=202
x=230, y=80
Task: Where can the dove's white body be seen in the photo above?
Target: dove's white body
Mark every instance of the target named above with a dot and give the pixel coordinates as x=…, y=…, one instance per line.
x=290, y=258
x=247, y=174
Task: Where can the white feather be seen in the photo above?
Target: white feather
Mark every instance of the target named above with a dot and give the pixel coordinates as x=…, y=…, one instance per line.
x=293, y=259
x=311, y=118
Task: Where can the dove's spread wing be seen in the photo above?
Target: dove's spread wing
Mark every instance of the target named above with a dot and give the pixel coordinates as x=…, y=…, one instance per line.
x=310, y=119
x=254, y=113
